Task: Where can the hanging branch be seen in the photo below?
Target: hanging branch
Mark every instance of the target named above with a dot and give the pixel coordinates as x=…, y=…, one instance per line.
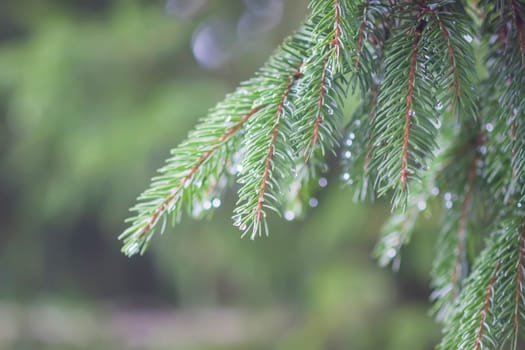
x=321, y=93
x=267, y=156
x=456, y=32
x=487, y=303
x=368, y=67
x=205, y=157
x=493, y=292
x=451, y=265
x=420, y=134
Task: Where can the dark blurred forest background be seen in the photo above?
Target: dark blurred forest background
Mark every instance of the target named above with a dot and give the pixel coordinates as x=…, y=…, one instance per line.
x=93, y=94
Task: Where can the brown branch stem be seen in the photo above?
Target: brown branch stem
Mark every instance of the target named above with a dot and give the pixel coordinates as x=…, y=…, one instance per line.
x=519, y=282
x=273, y=138
x=409, y=101
x=361, y=35
x=489, y=291
x=451, y=54
x=518, y=21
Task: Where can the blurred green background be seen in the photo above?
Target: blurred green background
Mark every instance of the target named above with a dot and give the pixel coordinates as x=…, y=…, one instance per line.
x=93, y=94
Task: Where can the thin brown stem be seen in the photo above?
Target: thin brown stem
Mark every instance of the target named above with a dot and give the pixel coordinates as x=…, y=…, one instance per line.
x=451, y=54
x=361, y=35
x=513, y=141
x=273, y=139
x=518, y=22
x=371, y=116
x=409, y=101
x=489, y=291
x=319, y=116
x=336, y=41
x=519, y=283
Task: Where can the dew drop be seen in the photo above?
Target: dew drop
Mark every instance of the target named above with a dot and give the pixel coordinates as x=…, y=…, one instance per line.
x=216, y=202
x=133, y=249
x=391, y=253
x=489, y=127
x=421, y=205
x=348, y=154
x=206, y=205
x=434, y=191
x=313, y=202
x=351, y=136
x=323, y=182
x=289, y=215
x=346, y=176
x=439, y=106
x=349, y=142
x=447, y=196
x=468, y=38
x=448, y=204
x=519, y=205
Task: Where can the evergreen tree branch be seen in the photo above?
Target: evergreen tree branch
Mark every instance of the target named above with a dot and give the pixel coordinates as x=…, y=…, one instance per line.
x=320, y=115
x=267, y=152
x=405, y=125
x=451, y=264
x=408, y=109
x=474, y=328
x=207, y=155
x=183, y=176
x=518, y=23
x=417, y=133
x=457, y=32
x=502, y=27
x=491, y=320
x=518, y=296
x=271, y=149
x=373, y=21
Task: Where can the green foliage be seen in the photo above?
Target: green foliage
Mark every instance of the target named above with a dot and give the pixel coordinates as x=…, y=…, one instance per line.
x=421, y=135
x=90, y=102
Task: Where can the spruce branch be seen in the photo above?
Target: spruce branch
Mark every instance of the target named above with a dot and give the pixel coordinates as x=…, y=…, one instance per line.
x=321, y=92
x=371, y=36
x=205, y=157
x=187, y=173
x=421, y=134
x=405, y=124
x=490, y=308
x=457, y=31
x=487, y=303
x=451, y=265
x=474, y=328
x=267, y=157
x=517, y=16
x=506, y=84
x=399, y=227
